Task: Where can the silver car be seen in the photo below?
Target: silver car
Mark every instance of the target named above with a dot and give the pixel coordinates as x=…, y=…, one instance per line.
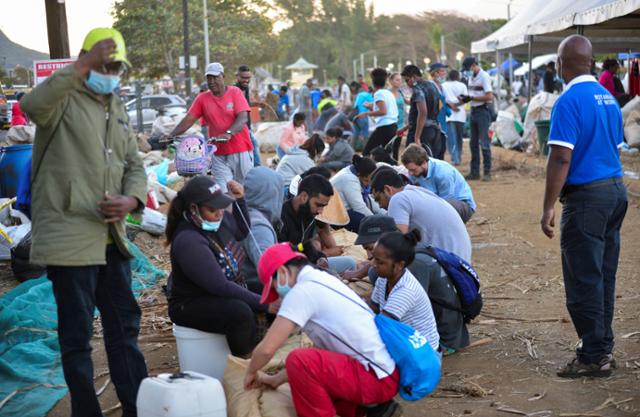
x=151, y=104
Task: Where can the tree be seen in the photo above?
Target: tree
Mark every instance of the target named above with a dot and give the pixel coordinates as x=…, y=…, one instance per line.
x=239, y=32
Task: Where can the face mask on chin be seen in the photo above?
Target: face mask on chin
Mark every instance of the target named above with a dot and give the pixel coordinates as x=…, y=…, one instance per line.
x=102, y=83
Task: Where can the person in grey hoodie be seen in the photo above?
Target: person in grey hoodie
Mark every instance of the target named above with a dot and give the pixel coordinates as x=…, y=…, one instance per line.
x=264, y=192
x=300, y=158
x=340, y=152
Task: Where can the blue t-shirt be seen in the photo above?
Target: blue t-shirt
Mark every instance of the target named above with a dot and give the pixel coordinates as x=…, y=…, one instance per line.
x=444, y=180
x=283, y=102
x=316, y=95
x=587, y=119
x=390, y=103
x=361, y=98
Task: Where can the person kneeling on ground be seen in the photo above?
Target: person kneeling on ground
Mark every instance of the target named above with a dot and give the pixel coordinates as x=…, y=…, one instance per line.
x=264, y=193
x=333, y=378
x=295, y=133
x=433, y=278
x=300, y=159
x=397, y=293
x=300, y=224
x=340, y=152
x=205, y=289
x=441, y=178
x=352, y=183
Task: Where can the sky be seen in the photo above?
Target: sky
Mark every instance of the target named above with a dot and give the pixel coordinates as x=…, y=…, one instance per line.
x=83, y=15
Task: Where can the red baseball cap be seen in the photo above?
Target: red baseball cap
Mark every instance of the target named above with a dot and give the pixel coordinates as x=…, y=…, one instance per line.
x=273, y=258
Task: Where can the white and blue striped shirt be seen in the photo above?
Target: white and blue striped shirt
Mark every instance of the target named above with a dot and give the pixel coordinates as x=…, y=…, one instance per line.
x=409, y=303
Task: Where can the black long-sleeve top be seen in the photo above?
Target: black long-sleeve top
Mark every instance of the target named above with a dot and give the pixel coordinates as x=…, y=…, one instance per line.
x=194, y=267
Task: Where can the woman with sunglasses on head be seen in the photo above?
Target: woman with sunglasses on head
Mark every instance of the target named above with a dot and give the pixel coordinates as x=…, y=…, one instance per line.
x=206, y=290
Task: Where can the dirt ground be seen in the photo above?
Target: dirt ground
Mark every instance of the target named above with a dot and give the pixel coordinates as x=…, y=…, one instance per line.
x=524, y=330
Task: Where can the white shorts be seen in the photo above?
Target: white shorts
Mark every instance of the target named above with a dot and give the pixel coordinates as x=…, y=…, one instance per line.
x=235, y=166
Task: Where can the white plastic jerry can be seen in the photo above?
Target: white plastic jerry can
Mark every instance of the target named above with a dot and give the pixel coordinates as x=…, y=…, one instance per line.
x=185, y=394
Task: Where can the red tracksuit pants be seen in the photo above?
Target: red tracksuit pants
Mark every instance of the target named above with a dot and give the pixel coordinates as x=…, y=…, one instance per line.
x=326, y=384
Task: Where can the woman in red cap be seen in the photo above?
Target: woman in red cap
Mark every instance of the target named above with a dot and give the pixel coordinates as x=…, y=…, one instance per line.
x=206, y=290
x=349, y=372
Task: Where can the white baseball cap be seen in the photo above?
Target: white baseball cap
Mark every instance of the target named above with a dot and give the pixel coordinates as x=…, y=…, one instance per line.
x=214, y=69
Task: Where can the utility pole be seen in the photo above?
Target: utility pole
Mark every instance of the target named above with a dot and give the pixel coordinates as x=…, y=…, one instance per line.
x=375, y=61
x=362, y=64
x=443, y=54
x=206, y=34
x=57, y=29
x=355, y=68
x=187, y=54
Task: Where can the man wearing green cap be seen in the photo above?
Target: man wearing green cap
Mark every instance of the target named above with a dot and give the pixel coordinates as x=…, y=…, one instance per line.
x=87, y=177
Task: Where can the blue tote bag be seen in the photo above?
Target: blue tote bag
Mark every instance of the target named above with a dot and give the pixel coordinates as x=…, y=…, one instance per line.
x=417, y=362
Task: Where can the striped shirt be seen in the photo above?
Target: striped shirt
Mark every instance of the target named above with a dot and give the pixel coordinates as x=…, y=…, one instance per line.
x=409, y=303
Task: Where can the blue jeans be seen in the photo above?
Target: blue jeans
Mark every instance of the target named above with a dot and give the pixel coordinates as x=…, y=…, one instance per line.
x=360, y=130
x=480, y=121
x=256, y=150
x=592, y=216
x=340, y=264
x=454, y=141
x=78, y=291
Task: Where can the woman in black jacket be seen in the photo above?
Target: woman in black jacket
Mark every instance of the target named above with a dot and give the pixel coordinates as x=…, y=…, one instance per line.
x=206, y=290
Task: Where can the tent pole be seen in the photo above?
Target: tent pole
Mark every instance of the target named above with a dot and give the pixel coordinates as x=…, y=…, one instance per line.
x=511, y=73
x=580, y=30
x=530, y=82
x=497, y=93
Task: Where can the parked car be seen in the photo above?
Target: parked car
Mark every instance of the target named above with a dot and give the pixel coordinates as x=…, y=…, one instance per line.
x=150, y=105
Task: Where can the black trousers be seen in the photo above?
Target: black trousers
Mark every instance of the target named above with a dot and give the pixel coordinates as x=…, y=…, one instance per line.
x=592, y=216
x=230, y=317
x=380, y=137
x=78, y=291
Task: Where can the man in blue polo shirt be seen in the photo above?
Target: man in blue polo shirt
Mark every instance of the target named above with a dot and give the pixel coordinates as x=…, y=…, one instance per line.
x=441, y=178
x=584, y=170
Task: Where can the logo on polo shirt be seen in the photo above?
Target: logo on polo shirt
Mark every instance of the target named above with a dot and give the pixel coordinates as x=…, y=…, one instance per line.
x=230, y=105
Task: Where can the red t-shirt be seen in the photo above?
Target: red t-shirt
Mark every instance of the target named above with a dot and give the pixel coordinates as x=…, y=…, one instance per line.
x=219, y=113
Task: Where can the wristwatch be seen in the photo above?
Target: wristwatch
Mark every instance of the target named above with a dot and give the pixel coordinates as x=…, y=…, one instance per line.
x=228, y=132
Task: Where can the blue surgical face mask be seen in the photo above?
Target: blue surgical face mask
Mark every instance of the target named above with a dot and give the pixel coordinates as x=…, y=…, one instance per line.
x=441, y=79
x=210, y=226
x=102, y=83
x=282, y=290
x=468, y=73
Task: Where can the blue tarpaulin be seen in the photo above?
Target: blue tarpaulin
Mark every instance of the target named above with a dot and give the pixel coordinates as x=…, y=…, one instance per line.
x=31, y=380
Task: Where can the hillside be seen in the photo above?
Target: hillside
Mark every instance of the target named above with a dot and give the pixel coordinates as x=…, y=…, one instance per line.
x=16, y=54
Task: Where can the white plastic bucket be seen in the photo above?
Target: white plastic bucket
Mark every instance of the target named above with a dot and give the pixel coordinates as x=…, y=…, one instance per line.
x=189, y=394
x=201, y=352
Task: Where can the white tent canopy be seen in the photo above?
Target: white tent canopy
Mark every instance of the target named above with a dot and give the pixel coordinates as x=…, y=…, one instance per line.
x=612, y=26
x=536, y=62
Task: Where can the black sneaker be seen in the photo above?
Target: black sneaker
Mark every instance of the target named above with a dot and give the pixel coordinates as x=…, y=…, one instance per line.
x=388, y=409
x=577, y=369
x=472, y=177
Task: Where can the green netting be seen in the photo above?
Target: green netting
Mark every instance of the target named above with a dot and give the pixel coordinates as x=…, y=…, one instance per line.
x=31, y=380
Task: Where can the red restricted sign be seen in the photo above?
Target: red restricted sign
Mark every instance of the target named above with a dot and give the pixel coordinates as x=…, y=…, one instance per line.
x=43, y=69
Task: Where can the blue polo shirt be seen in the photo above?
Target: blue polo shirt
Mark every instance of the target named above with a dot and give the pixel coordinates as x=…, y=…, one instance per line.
x=587, y=119
x=444, y=180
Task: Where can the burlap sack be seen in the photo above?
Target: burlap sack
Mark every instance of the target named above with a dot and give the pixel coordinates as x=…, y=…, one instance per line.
x=262, y=402
x=345, y=239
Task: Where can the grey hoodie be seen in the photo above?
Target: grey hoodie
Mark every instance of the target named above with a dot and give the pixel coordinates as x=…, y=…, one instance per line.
x=264, y=193
x=295, y=162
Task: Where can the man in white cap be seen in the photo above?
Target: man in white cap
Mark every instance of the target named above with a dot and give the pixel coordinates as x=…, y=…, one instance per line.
x=225, y=111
